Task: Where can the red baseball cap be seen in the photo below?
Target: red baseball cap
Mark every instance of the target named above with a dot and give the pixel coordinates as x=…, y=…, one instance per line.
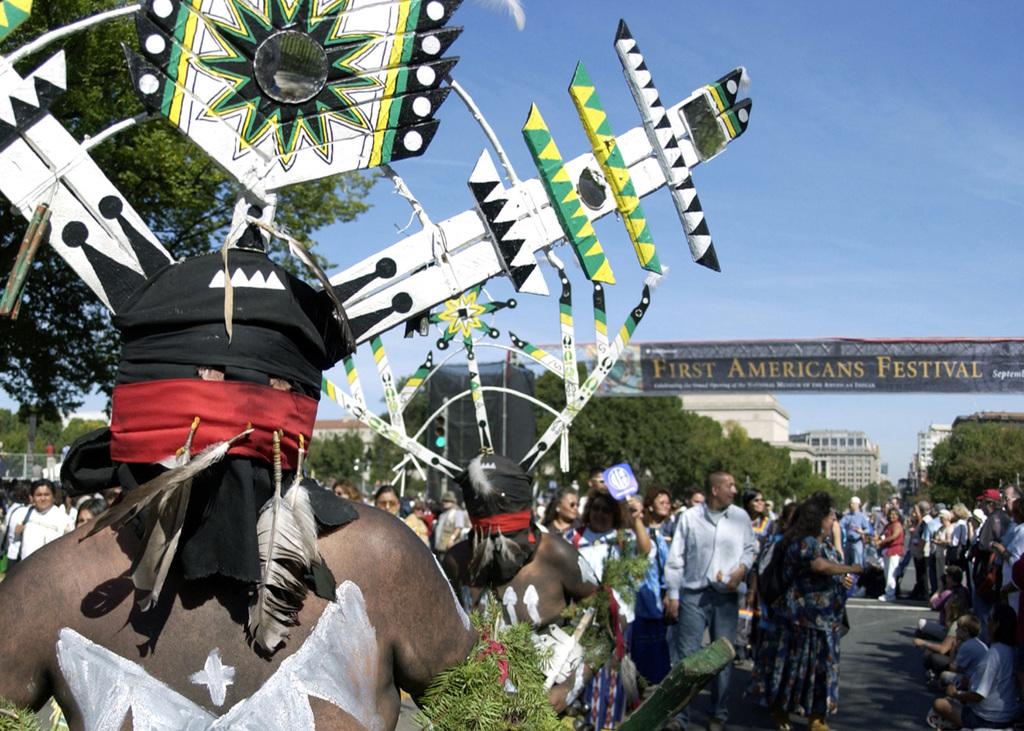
x=990, y=494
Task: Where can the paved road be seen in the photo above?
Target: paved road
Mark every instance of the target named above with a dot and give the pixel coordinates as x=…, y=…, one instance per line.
x=880, y=677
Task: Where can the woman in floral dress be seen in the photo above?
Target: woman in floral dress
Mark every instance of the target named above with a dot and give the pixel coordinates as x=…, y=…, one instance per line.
x=796, y=668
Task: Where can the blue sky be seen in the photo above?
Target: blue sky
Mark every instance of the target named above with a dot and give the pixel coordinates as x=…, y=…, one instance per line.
x=877, y=193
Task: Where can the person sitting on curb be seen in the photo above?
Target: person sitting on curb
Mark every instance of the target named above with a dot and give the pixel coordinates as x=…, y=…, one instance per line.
x=993, y=698
x=970, y=653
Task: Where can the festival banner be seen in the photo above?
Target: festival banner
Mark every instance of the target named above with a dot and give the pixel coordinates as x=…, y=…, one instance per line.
x=818, y=366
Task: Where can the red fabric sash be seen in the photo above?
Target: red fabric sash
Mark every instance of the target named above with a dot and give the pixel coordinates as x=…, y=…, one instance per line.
x=151, y=420
x=505, y=522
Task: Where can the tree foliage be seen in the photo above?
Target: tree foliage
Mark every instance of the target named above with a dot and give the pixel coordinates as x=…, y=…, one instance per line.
x=14, y=432
x=336, y=457
x=975, y=457
x=668, y=446
x=62, y=345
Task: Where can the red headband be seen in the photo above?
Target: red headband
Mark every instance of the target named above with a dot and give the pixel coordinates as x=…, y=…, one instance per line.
x=505, y=522
x=151, y=420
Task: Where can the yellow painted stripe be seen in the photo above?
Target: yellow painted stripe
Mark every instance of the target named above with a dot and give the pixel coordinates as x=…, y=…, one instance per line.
x=385, y=106
x=719, y=102
x=565, y=318
x=728, y=125
x=602, y=328
x=190, y=33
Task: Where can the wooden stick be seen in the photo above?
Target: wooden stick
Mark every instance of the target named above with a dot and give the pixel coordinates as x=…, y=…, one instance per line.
x=10, y=291
x=680, y=686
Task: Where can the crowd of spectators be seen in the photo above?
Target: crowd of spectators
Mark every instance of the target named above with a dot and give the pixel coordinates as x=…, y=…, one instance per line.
x=969, y=565
x=722, y=563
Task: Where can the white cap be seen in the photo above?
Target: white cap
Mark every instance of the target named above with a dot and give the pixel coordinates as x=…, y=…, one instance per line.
x=855, y=499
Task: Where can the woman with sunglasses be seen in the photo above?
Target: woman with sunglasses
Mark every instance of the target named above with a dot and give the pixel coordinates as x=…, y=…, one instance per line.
x=562, y=512
x=610, y=529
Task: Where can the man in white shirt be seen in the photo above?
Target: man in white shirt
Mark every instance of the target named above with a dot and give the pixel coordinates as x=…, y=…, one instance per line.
x=711, y=552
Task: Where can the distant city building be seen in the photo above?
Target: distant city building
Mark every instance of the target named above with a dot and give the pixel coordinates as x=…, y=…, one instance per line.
x=328, y=428
x=926, y=443
x=1013, y=418
x=848, y=457
x=759, y=414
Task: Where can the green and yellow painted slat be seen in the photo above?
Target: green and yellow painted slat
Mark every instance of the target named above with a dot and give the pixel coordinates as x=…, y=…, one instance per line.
x=387, y=382
x=416, y=380
x=12, y=14
x=600, y=320
x=566, y=203
x=570, y=374
x=606, y=150
x=540, y=355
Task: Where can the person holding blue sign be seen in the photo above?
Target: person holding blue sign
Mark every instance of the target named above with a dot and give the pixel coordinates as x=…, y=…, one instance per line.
x=611, y=529
x=711, y=552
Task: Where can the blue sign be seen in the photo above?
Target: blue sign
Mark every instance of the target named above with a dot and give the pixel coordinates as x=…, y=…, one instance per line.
x=621, y=481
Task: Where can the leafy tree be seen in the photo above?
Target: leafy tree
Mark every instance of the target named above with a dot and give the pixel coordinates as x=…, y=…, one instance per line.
x=63, y=345
x=336, y=457
x=975, y=457
x=668, y=446
x=14, y=432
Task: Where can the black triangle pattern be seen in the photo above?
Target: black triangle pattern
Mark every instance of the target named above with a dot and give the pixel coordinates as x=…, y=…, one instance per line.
x=150, y=258
x=482, y=190
x=520, y=274
x=508, y=248
x=117, y=280
x=710, y=259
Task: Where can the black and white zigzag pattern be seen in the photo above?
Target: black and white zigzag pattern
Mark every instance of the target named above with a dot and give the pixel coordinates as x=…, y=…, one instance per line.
x=509, y=235
x=666, y=147
x=29, y=101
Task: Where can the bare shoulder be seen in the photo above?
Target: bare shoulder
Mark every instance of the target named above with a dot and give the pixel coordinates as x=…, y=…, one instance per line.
x=556, y=550
x=39, y=596
x=409, y=600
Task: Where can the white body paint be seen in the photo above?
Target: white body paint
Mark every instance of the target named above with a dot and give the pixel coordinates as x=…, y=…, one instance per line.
x=337, y=663
x=566, y=654
x=216, y=676
x=531, y=599
x=509, y=599
x=587, y=571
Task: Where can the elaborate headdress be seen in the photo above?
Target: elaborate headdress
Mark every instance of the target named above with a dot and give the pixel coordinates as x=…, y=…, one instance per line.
x=283, y=91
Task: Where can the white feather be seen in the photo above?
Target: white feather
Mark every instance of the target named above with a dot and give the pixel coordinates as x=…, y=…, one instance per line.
x=513, y=7
x=286, y=533
x=478, y=477
x=630, y=682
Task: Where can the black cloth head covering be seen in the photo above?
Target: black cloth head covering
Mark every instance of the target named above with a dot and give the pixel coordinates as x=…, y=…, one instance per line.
x=281, y=326
x=174, y=322
x=493, y=485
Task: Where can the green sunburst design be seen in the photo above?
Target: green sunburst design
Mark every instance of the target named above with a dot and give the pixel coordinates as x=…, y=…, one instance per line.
x=262, y=115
